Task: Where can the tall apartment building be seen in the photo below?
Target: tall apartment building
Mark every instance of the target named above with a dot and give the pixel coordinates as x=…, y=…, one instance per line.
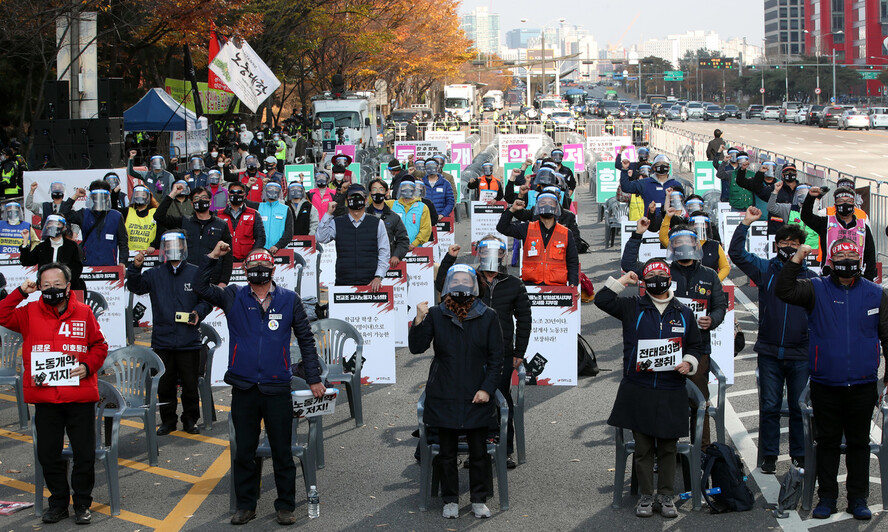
x=784, y=29
x=483, y=28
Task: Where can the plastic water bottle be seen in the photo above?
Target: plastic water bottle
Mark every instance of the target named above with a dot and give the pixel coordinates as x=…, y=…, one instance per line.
x=314, y=503
x=687, y=495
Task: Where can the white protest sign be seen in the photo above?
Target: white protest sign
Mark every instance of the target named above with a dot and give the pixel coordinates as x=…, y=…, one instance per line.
x=729, y=222
x=15, y=274
x=305, y=404
x=486, y=195
x=650, y=242
x=244, y=72
x=698, y=306
x=52, y=368
x=518, y=148
x=327, y=275
x=397, y=278
x=605, y=146
x=141, y=304
x=484, y=218
x=420, y=278
x=448, y=137
x=107, y=282
x=551, y=351
x=372, y=313
x=658, y=354
x=446, y=236
x=760, y=243
x=421, y=149
x=722, y=338
x=305, y=246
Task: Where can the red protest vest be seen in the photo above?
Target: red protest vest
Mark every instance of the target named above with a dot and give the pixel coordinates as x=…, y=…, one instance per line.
x=242, y=240
x=545, y=264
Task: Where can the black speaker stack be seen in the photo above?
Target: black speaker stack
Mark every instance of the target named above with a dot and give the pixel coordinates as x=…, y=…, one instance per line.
x=72, y=144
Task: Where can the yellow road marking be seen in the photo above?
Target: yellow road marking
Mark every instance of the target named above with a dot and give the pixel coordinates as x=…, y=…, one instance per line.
x=159, y=471
x=180, y=434
x=192, y=500
x=15, y=435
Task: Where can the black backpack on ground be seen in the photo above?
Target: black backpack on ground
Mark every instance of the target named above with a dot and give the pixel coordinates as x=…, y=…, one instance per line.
x=722, y=464
x=587, y=364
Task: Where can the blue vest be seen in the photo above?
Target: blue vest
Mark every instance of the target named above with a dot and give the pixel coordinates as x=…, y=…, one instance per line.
x=843, y=328
x=100, y=246
x=274, y=216
x=259, y=342
x=356, y=250
x=411, y=217
x=11, y=236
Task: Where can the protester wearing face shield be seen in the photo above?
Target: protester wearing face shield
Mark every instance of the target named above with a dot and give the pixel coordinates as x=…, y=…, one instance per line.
x=104, y=234
x=650, y=321
x=262, y=317
x=342, y=174
x=14, y=230
x=305, y=216
x=218, y=193
x=156, y=178
x=791, y=212
x=141, y=227
x=550, y=252
x=506, y=295
x=487, y=184
x=277, y=218
x=60, y=410
x=557, y=155
x=843, y=224
x=56, y=194
x=463, y=378
x=362, y=244
x=253, y=179
x=413, y=212
x=651, y=189
x=322, y=194
x=177, y=311
x=422, y=193
x=442, y=161
x=696, y=286
x=782, y=344
x=196, y=173
x=244, y=223
x=438, y=189
x=843, y=362
x=397, y=173
x=55, y=247
x=763, y=184
x=724, y=171
x=635, y=171
x=566, y=218
x=271, y=171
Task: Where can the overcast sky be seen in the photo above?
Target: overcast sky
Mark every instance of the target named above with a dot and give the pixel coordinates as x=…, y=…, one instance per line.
x=607, y=21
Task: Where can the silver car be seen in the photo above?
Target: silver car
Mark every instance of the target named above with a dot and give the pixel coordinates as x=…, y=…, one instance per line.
x=695, y=110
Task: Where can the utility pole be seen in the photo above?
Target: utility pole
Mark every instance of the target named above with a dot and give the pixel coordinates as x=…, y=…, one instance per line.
x=545, y=88
x=834, y=75
x=763, y=88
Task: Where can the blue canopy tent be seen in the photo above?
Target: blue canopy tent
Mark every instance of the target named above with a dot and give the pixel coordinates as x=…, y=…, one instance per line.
x=159, y=112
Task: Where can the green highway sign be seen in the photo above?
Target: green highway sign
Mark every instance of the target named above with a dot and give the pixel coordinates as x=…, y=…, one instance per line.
x=673, y=75
x=868, y=74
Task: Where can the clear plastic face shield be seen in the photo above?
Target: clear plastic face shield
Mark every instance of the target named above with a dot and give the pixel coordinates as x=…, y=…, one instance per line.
x=676, y=201
x=173, y=247
x=407, y=190
x=645, y=170
x=491, y=253
x=769, y=168
x=99, y=200
x=545, y=177
x=196, y=164
x=251, y=162
x=431, y=167
x=157, y=163
x=321, y=179
x=57, y=189
x=141, y=196
x=487, y=169
x=14, y=213
x=420, y=189
x=260, y=135
x=536, y=165
x=557, y=156
x=732, y=155
x=187, y=190
x=113, y=180
x=703, y=227
x=742, y=159
x=643, y=154
x=547, y=205
x=461, y=280
x=684, y=245
x=273, y=191
x=801, y=192
x=295, y=191
x=694, y=205
x=214, y=177
x=440, y=160
x=55, y=226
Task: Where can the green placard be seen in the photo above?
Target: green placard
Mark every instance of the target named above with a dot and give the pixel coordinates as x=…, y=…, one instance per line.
x=303, y=173
x=607, y=181
x=454, y=170
x=508, y=167
x=356, y=172
x=704, y=178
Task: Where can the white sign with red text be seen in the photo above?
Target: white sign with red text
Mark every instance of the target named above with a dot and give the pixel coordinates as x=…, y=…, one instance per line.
x=372, y=313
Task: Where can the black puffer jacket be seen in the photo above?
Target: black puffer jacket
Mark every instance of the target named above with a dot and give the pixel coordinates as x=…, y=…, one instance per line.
x=468, y=358
x=508, y=297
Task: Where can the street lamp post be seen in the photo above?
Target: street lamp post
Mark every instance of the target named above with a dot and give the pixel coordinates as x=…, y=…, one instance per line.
x=545, y=86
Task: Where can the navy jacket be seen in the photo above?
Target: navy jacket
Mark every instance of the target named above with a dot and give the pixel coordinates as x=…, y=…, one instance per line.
x=170, y=293
x=648, y=188
x=259, y=341
x=441, y=194
x=845, y=324
x=642, y=321
x=783, y=328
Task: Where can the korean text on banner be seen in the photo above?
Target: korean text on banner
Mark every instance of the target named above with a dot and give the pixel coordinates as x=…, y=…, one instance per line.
x=722, y=338
x=244, y=72
x=304, y=245
x=305, y=404
x=449, y=137
x=397, y=278
x=605, y=146
x=575, y=153
x=518, y=148
x=107, y=283
x=484, y=218
x=446, y=236
x=704, y=178
x=373, y=315
x=53, y=368
x=461, y=154
x=421, y=149
x=607, y=181
x=300, y=173
x=552, y=350
x=420, y=278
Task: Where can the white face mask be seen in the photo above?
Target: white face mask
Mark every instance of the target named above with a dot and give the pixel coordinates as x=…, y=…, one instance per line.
x=214, y=154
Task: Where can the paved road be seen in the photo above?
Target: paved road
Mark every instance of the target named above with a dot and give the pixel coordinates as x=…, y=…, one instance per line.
x=371, y=478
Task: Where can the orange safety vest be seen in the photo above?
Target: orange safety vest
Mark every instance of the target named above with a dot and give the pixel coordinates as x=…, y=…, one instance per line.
x=858, y=212
x=545, y=264
x=494, y=183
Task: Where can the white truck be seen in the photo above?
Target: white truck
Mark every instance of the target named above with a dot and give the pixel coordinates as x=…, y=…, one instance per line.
x=461, y=102
x=346, y=120
x=492, y=100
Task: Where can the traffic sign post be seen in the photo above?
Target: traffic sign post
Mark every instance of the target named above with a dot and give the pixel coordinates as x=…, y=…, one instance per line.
x=817, y=90
x=762, y=90
x=673, y=75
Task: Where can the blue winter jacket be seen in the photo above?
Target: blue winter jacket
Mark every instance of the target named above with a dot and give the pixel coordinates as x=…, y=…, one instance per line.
x=441, y=195
x=649, y=189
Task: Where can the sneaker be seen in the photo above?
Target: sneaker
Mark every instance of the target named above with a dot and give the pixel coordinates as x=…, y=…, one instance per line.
x=285, y=517
x=82, y=516
x=825, y=508
x=798, y=461
x=665, y=506
x=480, y=510
x=769, y=465
x=510, y=463
x=242, y=517
x=54, y=515
x=645, y=506
x=859, y=509
x=451, y=510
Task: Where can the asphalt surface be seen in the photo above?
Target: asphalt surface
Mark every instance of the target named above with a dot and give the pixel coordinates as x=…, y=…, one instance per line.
x=371, y=478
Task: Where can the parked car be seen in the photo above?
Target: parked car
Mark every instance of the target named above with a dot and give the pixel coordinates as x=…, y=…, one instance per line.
x=771, y=112
x=563, y=119
x=714, y=112
x=814, y=114
x=787, y=109
x=754, y=110
x=831, y=116
x=878, y=117
x=695, y=110
x=733, y=111
x=855, y=119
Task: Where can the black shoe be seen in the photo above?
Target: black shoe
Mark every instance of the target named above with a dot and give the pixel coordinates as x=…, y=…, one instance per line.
x=285, y=517
x=242, y=517
x=166, y=428
x=798, y=461
x=54, y=515
x=466, y=464
x=511, y=464
x=190, y=427
x=82, y=516
x=769, y=465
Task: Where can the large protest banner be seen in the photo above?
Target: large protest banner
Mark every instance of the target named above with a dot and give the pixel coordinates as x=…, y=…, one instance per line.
x=372, y=313
x=104, y=286
x=420, y=278
x=517, y=148
x=305, y=246
x=397, y=278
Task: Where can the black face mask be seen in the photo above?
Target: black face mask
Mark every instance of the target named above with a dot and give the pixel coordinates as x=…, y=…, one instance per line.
x=54, y=296
x=201, y=205
x=847, y=268
x=462, y=296
x=784, y=253
x=844, y=209
x=377, y=197
x=356, y=203
x=789, y=178
x=57, y=195
x=657, y=285
x=236, y=199
x=259, y=275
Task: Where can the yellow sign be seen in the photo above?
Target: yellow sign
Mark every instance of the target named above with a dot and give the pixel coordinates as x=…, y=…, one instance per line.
x=215, y=102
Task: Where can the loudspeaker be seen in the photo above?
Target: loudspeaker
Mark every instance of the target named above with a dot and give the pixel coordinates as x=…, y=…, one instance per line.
x=56, y=100
x=110, y=97
x=97, y=131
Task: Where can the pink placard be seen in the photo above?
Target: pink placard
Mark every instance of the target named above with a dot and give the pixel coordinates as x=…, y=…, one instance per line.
x=403, y=151
x=629, y=153
x=574, y=153
x=461, y=154
x=517, y=153
x=346, y=149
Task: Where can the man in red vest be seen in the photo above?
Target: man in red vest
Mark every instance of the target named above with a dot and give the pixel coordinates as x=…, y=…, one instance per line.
x=245, y=224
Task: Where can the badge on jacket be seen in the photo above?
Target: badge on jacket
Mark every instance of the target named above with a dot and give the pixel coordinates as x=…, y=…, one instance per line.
x=273, y=325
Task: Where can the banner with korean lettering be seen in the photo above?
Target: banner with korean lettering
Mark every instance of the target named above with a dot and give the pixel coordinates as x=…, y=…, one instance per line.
x=722, y=338
x=650, y=242
x=575, y=153
x=607, y=181
x=105, y=289
x=605, y=146
x=300, y=173
x=516, y=148
x=420, y=149
x=305, y=246
x=372, y=313
x=704, y=178
x=449, y=137
x=552, y=351
x=461, y=154
x=446, y=236
x=244, y=72
x=420, y=278
x=484, y=217
x=397, y=278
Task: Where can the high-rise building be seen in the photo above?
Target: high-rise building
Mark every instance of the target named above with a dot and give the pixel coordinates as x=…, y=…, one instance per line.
x=785, y=29
x=519, y=37
x=674, y=47
x=482, y=28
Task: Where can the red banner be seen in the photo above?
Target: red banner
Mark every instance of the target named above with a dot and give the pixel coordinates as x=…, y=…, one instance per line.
x=213, y=80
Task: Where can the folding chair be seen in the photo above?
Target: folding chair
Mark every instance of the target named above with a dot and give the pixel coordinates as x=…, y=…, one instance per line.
x=9, y=374
x=330, y=337
x=210, y=339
